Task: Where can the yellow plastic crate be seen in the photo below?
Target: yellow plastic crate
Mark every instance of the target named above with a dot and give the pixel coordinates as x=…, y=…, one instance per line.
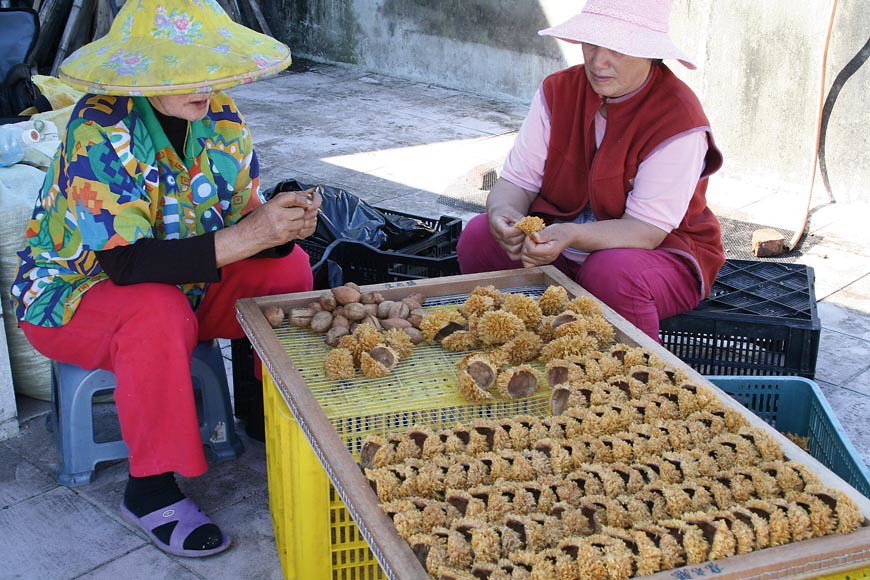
x=314, y=534
x=859, y=574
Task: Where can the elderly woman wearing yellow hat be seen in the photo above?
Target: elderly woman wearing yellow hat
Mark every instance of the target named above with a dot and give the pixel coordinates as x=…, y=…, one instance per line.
x=149, y=227
x=614, y=155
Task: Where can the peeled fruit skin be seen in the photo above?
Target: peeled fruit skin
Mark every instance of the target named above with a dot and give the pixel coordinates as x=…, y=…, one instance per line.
x=334, y=334
x=339, y=364
x=327, y=300
x=301, y=317
x=355, y=311
x=275, y=315
x=384, y=355
x=417, y=297
x=374, y=321
x=321, y=321
x=384, y=308
x=469, y=388
x=399, y=310
x=371, y=367
x=415, y=334
x=395, y=323
x=344, y=295
x=371, y=298
x=564, y=318
x=483, y=373
x=415, y=317
x=518, y=382
x=559, y=400
x=447, y=330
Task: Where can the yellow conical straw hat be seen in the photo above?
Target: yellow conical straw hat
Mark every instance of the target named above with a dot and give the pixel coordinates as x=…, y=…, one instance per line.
x=172, y=47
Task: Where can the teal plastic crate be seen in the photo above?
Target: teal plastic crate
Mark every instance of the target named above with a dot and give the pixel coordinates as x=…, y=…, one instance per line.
x=797, y=406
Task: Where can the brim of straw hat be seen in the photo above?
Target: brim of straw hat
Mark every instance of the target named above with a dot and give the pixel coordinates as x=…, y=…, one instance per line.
x=618, y=35
x=133, y=61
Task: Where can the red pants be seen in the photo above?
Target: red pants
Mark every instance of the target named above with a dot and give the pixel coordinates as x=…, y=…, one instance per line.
x=145, y=334
x=643, y=286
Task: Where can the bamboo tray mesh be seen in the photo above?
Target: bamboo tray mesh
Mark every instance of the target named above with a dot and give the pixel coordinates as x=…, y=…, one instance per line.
x=421, y=390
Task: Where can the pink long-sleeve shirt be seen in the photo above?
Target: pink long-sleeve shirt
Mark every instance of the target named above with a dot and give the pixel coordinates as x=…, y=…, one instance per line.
x=662, y=188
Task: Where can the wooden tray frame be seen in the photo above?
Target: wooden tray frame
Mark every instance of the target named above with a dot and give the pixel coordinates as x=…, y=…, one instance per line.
x=806, y=559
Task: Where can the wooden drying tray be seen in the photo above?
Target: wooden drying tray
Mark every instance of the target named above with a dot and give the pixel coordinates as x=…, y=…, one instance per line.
x=806, y=559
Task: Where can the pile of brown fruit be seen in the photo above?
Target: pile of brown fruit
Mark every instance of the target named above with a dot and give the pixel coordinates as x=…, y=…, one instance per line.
x=367, y=331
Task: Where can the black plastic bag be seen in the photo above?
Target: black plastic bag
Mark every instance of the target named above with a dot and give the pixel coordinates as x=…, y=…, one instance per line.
x=345, y=216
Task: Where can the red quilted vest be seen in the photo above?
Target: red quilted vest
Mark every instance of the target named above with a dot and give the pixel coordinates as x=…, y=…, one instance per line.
x=576, y=174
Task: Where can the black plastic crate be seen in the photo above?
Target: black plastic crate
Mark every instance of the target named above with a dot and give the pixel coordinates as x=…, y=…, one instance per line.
x=314, y=250
x=760, y=319
x=347, y=261
x=441, y=244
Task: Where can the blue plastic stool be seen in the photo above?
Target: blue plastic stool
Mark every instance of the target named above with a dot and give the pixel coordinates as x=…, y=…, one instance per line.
x=71, y=418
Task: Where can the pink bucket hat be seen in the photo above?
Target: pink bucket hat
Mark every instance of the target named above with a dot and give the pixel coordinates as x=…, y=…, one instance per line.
x=632, y=27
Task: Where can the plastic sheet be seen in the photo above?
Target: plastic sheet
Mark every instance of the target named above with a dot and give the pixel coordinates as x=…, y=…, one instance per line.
x=345, y=216
x=19, y=186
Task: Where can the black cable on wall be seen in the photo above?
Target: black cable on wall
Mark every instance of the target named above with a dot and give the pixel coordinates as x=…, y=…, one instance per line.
x=844, y=75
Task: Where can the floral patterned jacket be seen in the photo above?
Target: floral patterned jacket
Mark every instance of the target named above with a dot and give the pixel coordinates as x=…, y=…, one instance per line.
x=116, y=179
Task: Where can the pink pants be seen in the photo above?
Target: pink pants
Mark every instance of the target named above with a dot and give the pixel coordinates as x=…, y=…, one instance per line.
x=643, y=286
x=145, y=334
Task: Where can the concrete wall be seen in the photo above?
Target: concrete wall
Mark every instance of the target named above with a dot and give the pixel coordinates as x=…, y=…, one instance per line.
x=759, y=66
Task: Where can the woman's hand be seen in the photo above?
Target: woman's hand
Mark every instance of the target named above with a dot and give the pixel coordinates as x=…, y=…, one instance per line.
x=289, y=215
x=625, y=232
x=545, y=246
x=309, y=218
x=506, y=204
x=502, y=225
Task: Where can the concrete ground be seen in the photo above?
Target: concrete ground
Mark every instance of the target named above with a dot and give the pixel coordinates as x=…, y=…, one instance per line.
x=403, y=146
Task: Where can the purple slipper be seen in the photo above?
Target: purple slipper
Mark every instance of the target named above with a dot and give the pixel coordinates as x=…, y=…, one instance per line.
x=188, y=516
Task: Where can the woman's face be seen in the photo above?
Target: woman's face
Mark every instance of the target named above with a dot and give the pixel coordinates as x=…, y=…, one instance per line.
x=188, y=107
x=613, y=74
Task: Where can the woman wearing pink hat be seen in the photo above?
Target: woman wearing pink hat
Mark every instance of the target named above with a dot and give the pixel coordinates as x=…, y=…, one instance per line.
x=149, y=226
x=614, y=155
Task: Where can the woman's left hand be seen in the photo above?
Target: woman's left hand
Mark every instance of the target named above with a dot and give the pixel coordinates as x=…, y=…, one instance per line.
x=544, y=247
x=289, y=215
x=309, y=220
x=308, y=200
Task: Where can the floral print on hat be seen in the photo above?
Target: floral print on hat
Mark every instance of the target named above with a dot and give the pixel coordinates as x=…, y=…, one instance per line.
x=192, y=47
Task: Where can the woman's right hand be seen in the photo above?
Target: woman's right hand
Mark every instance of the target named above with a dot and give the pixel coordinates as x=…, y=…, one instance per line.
x=502, y=224
x=506, y=204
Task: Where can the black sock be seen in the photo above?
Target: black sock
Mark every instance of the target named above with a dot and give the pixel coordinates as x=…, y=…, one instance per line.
x=144, y=495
